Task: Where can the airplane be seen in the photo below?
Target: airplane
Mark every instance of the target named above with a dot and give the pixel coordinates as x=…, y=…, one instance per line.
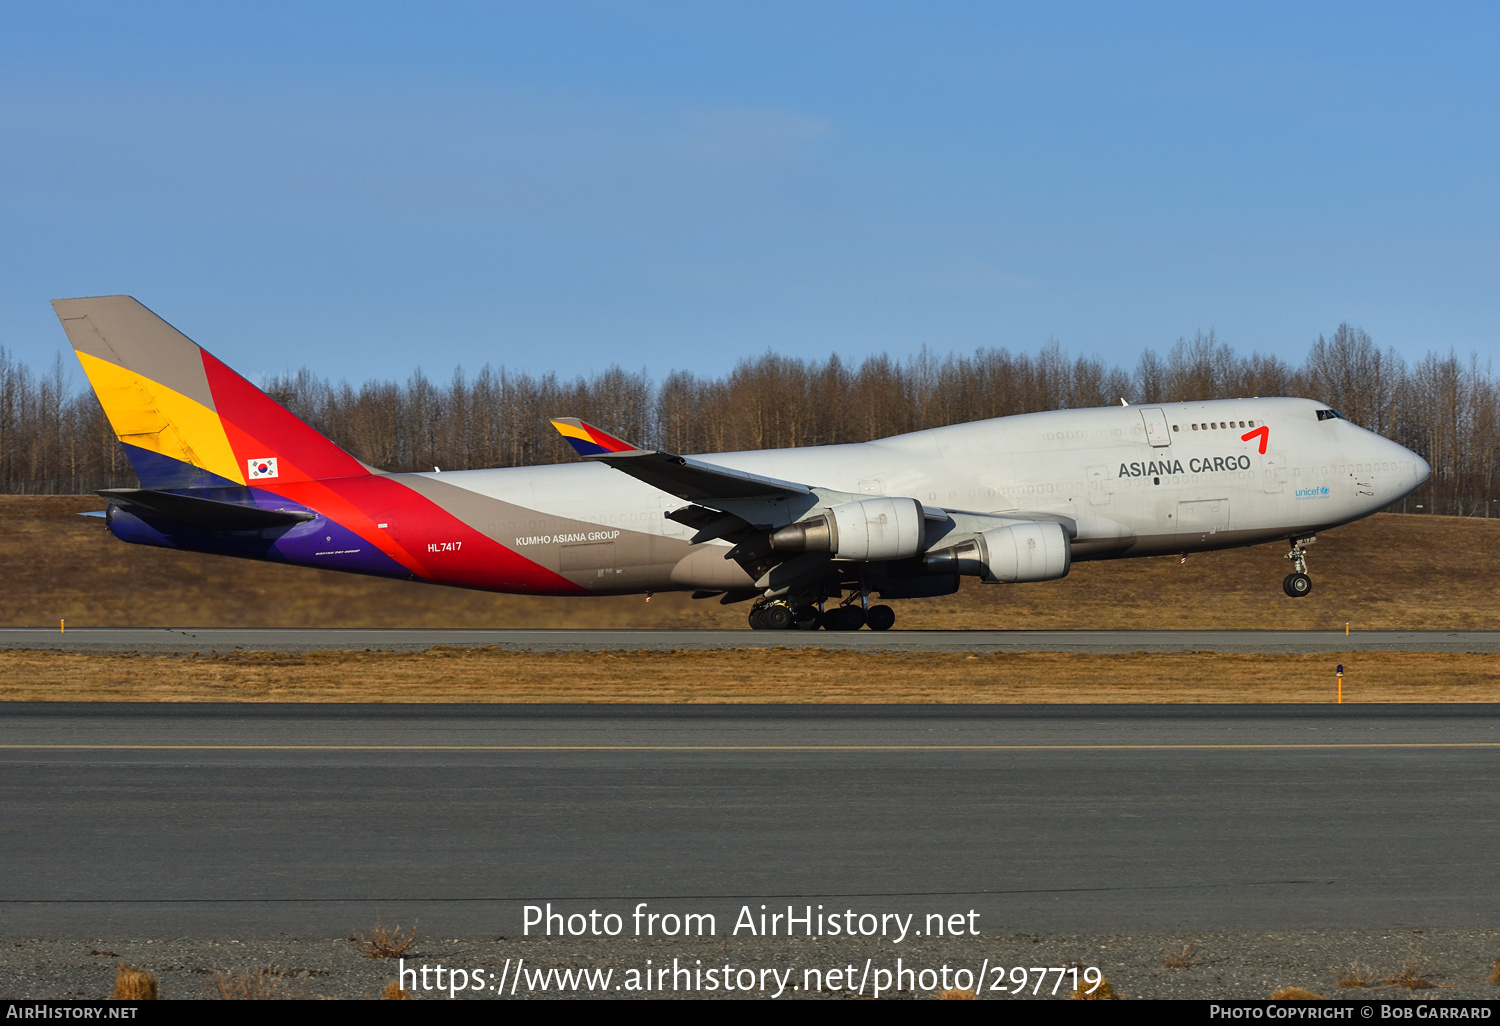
x=806, y=535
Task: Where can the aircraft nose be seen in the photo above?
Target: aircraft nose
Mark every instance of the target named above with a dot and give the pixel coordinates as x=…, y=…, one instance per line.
x=1400, y=485
x=1421, y=470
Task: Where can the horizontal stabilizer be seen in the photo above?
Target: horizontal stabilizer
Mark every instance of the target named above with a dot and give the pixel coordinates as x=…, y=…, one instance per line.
x=206, y=514
x=682, y=476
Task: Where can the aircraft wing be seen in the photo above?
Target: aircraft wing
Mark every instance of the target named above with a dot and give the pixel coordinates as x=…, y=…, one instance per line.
x=966, y=520
x=682, y=476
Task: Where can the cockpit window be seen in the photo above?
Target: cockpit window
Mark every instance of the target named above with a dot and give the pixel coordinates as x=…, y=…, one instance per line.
x=1330, y=415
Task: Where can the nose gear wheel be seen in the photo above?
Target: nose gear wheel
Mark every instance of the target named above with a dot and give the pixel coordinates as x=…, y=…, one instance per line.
x=1298, y=584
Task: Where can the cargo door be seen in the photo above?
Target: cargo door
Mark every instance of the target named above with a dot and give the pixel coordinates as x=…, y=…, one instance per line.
x=1157, y=431
x=588, y=559
x=1204, y=516
x=1100, y=483
x=671, y=528
x=1273, y=472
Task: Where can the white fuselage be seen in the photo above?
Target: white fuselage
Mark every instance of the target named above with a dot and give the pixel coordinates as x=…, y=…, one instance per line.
x=1132, y=481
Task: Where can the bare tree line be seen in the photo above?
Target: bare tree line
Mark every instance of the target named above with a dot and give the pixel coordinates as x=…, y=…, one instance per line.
x=56, y=439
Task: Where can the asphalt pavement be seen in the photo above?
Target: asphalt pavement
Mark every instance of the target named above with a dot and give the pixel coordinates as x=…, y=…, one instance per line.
x=257, y=820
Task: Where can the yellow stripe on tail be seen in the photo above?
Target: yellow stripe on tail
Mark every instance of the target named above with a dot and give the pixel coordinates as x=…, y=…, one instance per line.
x=150, y=415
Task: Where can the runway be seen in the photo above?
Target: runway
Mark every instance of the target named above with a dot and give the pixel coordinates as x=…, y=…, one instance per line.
x=257, y=820
x=293, y=640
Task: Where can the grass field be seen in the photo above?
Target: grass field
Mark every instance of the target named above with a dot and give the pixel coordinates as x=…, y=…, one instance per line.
x=1400, y=572
x=742, y=675
x=1389, y=571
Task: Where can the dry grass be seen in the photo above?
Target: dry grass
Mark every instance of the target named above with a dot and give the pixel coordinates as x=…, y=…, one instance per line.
x=1296, y=994
x=260, y=985
x=383, y=943
x=1409, y=976
x=955, y=994
x=394, y=992
x=1180, y=959
x=132, y=984
x=1104, y=992
x=747, y=675
x=1385, y=572
x=1357, y=975
x=1388, y=571
x=1494, y=976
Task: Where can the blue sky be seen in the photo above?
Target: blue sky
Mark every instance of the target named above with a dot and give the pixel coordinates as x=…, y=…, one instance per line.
x=362, y=189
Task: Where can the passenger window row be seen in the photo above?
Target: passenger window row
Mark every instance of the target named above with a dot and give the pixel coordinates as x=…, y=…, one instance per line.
x=1356, y=468
x=1217, y=425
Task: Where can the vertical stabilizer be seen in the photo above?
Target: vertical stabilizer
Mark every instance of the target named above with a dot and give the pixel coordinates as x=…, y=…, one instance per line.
x=185, y=419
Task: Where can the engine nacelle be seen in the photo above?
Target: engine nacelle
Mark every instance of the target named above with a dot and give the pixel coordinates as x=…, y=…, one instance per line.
x=1039, y=551
x=870, y=529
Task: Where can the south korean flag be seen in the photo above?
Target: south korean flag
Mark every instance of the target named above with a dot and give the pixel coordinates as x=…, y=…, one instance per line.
x=262, y=468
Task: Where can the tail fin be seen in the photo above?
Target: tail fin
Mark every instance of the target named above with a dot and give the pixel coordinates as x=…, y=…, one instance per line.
x=185, y=419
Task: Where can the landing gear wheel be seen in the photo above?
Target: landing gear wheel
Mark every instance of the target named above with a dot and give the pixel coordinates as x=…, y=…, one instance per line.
x=777, y=617
x=844, y=618
x=1297, y=585
x=757, y=618
x=880, y=618
x=808, y=618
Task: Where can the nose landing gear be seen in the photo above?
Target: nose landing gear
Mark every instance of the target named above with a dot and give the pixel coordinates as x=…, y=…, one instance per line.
x=1297, y=584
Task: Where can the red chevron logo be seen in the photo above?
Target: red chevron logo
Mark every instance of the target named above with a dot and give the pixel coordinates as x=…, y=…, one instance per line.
x=1265, y=436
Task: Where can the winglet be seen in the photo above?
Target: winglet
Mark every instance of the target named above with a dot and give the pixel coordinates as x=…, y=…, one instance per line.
x=682, y=476
x=588, y=440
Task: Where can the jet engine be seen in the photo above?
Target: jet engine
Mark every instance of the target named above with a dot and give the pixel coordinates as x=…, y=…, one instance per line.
x=870, y=529
x=1022, y=552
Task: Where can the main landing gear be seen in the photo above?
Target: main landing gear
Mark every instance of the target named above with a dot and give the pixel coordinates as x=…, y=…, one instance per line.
x=1297, y=584
x=780, y=615
x=775, y=616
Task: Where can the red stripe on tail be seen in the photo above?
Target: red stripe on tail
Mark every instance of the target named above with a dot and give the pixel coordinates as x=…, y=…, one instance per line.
x=259, y=426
